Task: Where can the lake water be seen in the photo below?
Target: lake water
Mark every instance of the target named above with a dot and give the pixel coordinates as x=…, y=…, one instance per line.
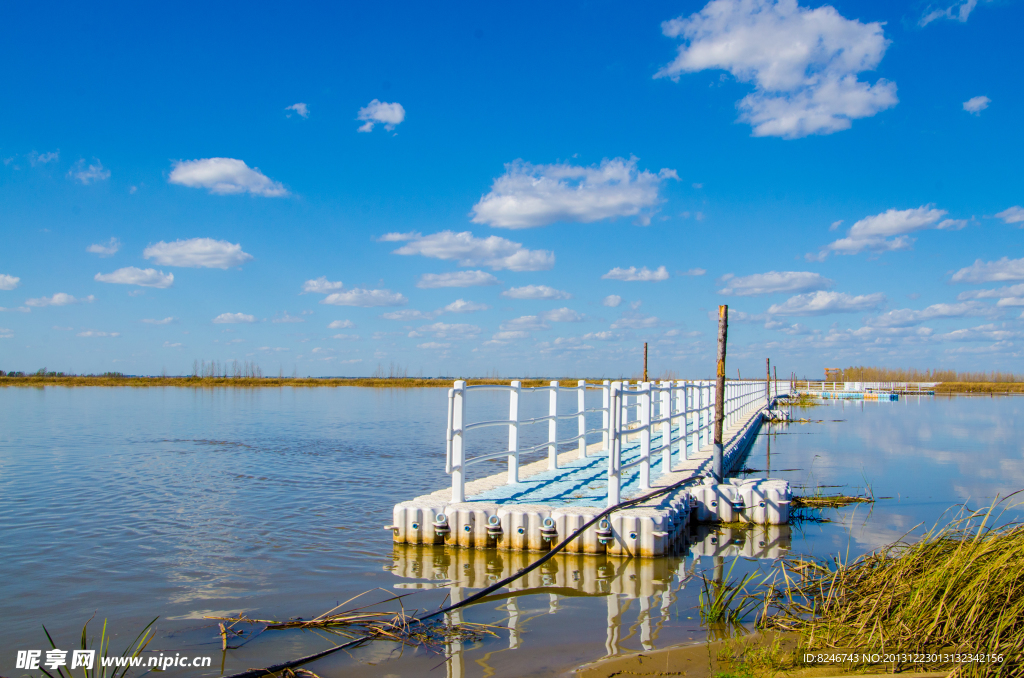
x=129, y=504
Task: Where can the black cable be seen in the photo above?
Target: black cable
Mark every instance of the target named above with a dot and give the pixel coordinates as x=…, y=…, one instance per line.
x=258, y=673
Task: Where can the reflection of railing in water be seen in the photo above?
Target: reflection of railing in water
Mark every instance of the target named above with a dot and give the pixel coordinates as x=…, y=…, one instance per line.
x=653, y=583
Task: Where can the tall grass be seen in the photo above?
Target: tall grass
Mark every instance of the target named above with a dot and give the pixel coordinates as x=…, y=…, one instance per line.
x=960, y=589
x=912, y=374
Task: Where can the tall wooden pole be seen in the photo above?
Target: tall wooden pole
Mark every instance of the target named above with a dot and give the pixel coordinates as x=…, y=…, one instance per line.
x=723, y=332
x=645, y=362
x=768, y=380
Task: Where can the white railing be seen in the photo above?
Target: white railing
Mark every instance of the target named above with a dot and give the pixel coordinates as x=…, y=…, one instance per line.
x=681, y=412
x=865, y=386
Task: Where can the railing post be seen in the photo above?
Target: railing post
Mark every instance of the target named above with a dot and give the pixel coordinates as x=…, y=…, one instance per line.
x=553, y=427
x=645, y=436
x=458, y=444
x=614, y=428
x=666, y=426
x=606, y=404
x=513, y=433
x=581, y=406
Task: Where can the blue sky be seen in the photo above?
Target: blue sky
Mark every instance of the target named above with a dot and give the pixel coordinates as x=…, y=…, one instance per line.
x=465, y=190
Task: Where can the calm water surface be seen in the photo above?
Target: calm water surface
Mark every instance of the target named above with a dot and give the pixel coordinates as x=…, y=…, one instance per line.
x=129, y=504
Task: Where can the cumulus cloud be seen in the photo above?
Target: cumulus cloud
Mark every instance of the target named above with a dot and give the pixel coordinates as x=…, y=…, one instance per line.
x=990, y=332
x=6, y=333
x=287, y=318
x=433, y=345
x=1001, y=270
x=631, y=274
x=1012, y=295
x=526, y=323
x=197, y=253
x=635, y=321
x=507, y=335
x=450, y=330
x=802, y=62
x=36, y=159
x=493, y=252
x=772, y=282
x=225, y=176
x=528, y=195
x=320, y=286
x=144, y=277
x=463, y=306
x=958, y=11
x=605, y=335
x=95, y=333
x=457, y=279
x=975, y=105
x=407, y=314
x=234, y=318
x=562, y=315
x=9, y=282
x=299, y=108
x=906, y=317
x=340, y=324
x=824, y=303
x=106, y=250
x=165, y=321
x=365, y=298
x=535, y=292
x=692, y=271
x=88, y=174
x=611, y=301
x=59, y=299
x=888, y=231
x=376, y=111
x=1012, y=215
x=348, y=337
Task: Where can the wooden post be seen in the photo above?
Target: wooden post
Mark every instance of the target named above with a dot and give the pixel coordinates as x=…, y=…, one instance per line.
x=723, y=333
x=768, y=380
x=645, y=362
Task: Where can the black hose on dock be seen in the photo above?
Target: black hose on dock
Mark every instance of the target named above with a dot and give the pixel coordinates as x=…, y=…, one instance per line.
x=276, y=668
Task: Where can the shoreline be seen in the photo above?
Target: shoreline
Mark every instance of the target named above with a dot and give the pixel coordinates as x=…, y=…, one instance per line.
x=946, y=388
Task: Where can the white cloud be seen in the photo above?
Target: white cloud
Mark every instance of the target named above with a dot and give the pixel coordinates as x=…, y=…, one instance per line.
x=888, y=231
x=535, y=292
x=631, y=274
x=234, y=318
x=958, y=11
x=631, y=320
x=166, y=321
x=59, y=299
x=95, y=333
x=350, y=337
x=611, y=301
x=224, y=176
x=197, y=253
x=43, y=158
x=772, y=282
x=606, y=335
x=6, y=333
x=88, y=174
x=341, y=324
x=366, y=298
x=456, y=279
x=562, y=315
x=380, y=112
x=564, y=344
x=1012, y=295
x=508, y=335
x=494, y=252
x=1012, y=215
x=286, y=318
x=692, y=271
x=450, y=330
x=299, y=108
x=433, y=345
x=176, y=344
x=906, y=317
x=107, y=250
x=1001, y=270
x=802, y=62
x=321, y=285
x=824, y=303
x=988, y=332
x=407, y=314
x=463, y=306
x=976, y=105
x=143, y=277
x=9, y=282
x=526, y=323
x=536, y=195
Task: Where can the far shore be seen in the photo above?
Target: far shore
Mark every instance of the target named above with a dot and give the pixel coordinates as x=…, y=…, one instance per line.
x=950, y=388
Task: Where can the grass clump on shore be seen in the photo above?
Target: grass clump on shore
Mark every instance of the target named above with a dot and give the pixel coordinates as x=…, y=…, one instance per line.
x=959, y=590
